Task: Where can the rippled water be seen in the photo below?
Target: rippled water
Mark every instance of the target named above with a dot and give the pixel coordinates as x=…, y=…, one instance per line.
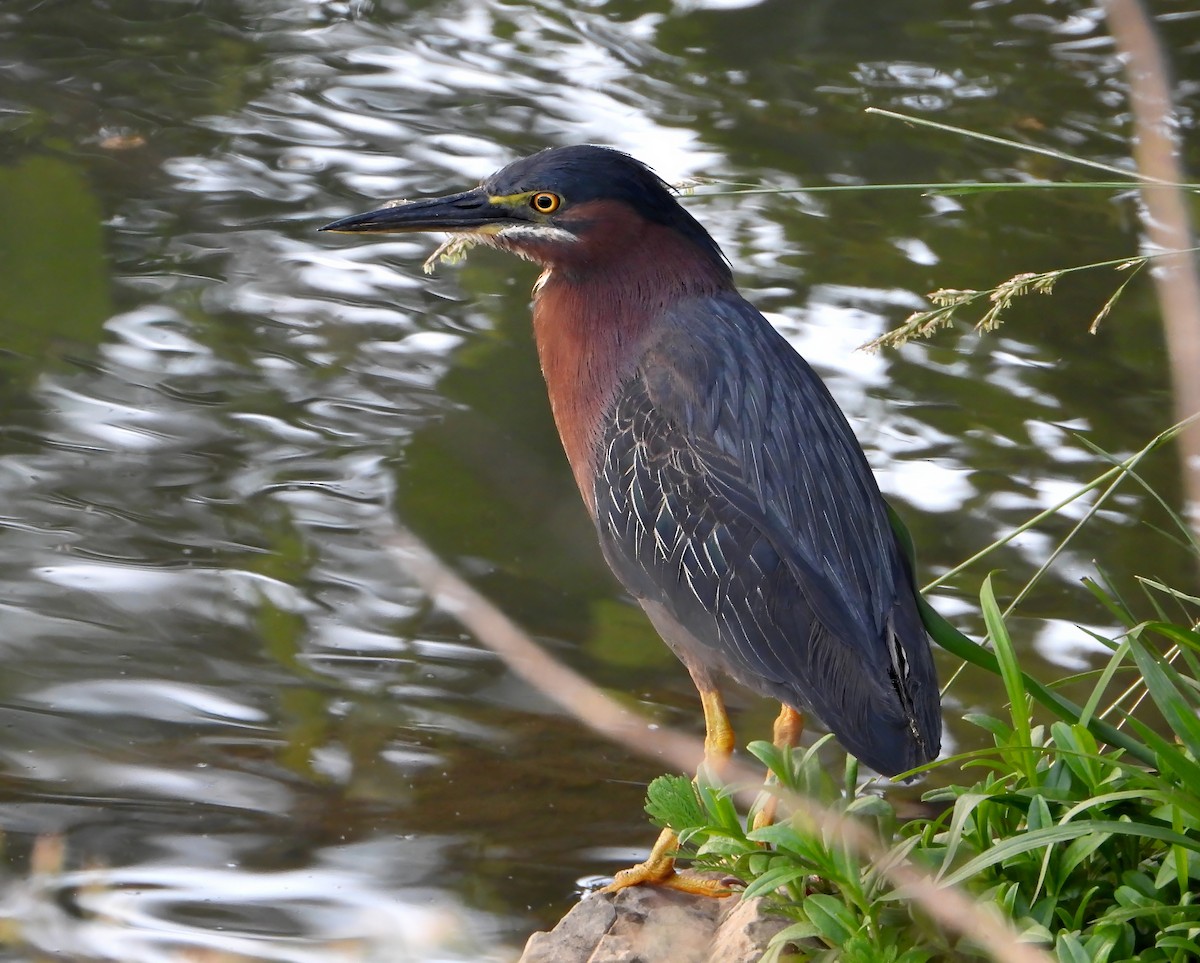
x=229, y=722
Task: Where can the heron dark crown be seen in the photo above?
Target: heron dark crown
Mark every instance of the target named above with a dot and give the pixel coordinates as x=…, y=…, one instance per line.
x=585, y=172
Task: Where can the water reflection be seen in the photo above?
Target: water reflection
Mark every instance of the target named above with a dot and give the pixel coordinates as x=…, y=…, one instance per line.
x=250, y=734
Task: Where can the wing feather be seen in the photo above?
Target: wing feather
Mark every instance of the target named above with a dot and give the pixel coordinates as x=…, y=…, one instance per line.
x=732, y=493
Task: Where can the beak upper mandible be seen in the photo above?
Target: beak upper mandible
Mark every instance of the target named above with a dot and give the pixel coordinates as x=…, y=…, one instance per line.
x=468, y=211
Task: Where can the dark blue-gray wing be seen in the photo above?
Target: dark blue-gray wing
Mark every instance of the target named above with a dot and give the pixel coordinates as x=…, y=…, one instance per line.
x=733, y=493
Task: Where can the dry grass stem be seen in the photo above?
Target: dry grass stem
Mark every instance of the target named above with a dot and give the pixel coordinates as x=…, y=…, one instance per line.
x=950, y=907
x=1166, y=221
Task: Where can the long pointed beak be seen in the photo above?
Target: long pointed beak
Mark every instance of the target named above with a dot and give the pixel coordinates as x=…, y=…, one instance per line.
x=470, y=211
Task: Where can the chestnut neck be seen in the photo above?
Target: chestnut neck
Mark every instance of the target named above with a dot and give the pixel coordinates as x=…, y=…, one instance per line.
x=595, y=313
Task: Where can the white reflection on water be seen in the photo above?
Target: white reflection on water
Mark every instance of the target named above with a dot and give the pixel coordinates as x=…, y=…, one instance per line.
x=333, y=911
x=196, y=506
x=152, y=698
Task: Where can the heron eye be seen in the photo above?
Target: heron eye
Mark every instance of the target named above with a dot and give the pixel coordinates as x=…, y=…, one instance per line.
x=545, y=203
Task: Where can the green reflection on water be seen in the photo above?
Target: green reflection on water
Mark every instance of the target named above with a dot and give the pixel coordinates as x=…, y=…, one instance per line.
x=233, y=93
x=53, y=261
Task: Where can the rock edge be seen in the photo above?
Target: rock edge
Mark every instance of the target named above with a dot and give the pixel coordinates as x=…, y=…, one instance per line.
x=646, y=924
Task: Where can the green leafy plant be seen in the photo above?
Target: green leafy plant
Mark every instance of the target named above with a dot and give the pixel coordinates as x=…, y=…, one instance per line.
x=1090, y=851
x=1084, y=829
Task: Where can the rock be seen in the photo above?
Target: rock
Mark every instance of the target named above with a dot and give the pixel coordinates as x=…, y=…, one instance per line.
x=647, y=924
x=576, y=935
x=744, y=933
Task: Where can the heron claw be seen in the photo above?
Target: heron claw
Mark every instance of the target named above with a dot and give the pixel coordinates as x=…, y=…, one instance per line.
x=666, y=876
x=659, y=870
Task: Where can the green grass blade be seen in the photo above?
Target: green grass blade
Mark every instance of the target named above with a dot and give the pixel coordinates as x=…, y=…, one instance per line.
x=1110, y=477
x=1116, y=606
x=1170, y=701
x=1010, y=672
x=954, y=642
x=1053, y=835
x=948, y=188
x=1187, y=535
x=1189, y=638
x=1134, y=176
x=1168, y=757
x=1175, y=593
x=1101, y=686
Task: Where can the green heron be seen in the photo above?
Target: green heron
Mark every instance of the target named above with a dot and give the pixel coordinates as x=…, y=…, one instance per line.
x=729, y=493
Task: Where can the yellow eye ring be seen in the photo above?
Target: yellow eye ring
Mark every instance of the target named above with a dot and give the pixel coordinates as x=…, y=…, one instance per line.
x=545, y=203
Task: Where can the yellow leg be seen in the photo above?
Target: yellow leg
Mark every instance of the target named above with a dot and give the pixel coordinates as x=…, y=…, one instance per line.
x=659, y=867
x=718, y=731
x=789, y=727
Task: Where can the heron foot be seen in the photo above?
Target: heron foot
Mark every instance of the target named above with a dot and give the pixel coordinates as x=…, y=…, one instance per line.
x=659, y=870
x=685, y=881
x=668, y=877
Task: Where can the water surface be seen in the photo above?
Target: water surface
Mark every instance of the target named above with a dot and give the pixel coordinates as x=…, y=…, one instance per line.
x=229, y=723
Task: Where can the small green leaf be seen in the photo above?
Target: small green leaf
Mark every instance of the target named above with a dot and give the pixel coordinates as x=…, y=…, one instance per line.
x=1068, y=949
x=722, y=845
x=964, y=806
x=1102, y=942
x=1130, y=898
x=831, y=917
x=1190, y=947
x=771, y=756
x=1118, y=937
x=1172, y=868
x=796, y=932
x=1142, y=883
x=1001, y=730
x=1038, y=815
x=783, y=874
x=1079, y=850
x=1079, y=753
x=915, y=955
x=781, y=836
x=672, y=802
x=870, y=806
x=719, y=808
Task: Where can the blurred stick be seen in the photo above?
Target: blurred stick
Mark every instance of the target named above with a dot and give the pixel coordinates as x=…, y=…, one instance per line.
x=1165, y=219
x=950, y=907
